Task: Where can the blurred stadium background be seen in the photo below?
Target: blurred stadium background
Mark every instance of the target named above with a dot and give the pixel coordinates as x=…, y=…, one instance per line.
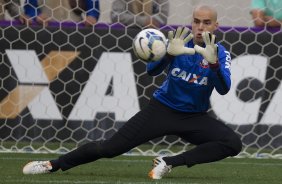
x=231, y=13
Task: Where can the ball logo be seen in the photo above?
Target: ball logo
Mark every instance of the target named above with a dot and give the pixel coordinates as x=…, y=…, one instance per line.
x=149, y=45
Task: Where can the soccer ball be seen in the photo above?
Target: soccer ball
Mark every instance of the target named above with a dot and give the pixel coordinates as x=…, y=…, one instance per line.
x=150, y=45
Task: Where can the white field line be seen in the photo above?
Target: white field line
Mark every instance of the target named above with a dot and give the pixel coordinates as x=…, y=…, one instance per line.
x=12, y=181
x=148, y=161
x=91, y=181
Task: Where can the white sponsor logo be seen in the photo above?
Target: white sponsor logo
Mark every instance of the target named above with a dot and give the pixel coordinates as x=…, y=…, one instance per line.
x=117, y=67
x=124, y=102
x=93, y=99
x=189, y=77
x=231, y=109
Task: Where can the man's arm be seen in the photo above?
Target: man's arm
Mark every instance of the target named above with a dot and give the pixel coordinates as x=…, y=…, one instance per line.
x=219, y=62
x=221, y=72
x=155, y=68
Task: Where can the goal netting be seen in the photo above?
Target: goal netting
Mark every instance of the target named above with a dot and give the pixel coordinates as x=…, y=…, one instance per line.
x=66, y=84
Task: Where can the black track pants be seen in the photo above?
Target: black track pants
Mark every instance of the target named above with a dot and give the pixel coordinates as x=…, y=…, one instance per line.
x=213, y=138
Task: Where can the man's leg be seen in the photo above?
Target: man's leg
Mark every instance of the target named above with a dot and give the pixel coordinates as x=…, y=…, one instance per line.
x=213, y=139
x=148, y=124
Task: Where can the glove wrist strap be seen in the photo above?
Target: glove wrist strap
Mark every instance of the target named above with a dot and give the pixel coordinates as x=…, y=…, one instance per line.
x=214, y=66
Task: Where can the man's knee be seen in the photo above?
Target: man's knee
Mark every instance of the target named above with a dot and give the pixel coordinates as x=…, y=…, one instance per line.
x=234, y=143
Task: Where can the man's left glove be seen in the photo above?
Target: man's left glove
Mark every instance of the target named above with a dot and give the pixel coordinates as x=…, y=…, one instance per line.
x=210, y=52
x=176, y=42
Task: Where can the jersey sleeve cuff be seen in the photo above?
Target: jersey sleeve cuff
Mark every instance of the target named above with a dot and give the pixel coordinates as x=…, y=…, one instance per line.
x=215, y=66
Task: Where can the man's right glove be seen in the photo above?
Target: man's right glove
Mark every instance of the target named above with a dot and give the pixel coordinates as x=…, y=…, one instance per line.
x=176, y=43
x=210, y=52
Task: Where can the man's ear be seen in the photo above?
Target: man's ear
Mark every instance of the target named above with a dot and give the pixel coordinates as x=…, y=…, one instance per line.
x=216, y=25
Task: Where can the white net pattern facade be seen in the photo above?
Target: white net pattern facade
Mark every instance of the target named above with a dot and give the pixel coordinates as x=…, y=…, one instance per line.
x=66, y=84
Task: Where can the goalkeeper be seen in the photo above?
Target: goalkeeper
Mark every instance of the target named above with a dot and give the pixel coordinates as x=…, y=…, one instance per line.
x=196, y=65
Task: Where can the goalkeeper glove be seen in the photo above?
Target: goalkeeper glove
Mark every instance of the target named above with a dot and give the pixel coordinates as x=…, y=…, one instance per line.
x=176, y=43
x=210, y=52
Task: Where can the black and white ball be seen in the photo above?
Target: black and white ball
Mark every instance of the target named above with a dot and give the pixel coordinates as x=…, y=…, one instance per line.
x=150, y=45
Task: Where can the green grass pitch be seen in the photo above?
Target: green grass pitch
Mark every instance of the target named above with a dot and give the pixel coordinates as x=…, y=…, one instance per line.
x=134, y=169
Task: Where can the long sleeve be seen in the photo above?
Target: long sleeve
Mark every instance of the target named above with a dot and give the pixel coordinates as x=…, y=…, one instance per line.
x=221, y=72
x=93, y=8
x=155, y=68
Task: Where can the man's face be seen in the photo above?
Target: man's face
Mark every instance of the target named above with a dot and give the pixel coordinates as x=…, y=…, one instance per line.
x=203, y=20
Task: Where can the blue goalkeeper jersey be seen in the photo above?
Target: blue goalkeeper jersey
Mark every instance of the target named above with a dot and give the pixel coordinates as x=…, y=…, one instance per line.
x=190, y=80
